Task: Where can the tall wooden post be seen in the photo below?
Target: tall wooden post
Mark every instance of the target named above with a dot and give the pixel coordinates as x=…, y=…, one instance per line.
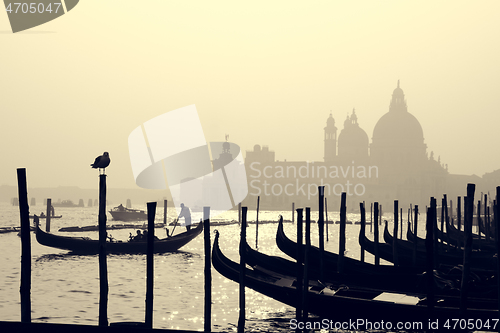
x=300, y=261
x=257, y=224
x=300, y=267
x=47, y=218
x=25, y=289
x=496, y=207
x=343, y=217
x=243, y=240
x=395, y=260
x=469, y=211
x=375, y=232
x=305, y=287
x=208, y=271
x=459, y=220
x=415, y=231
x=103, y=267
x=326, y=218
x=165, y=211
x=150, y=264
x=429, y=247
x=239, y=213
x=321, y=230
x=293, y=212
x=363, y=228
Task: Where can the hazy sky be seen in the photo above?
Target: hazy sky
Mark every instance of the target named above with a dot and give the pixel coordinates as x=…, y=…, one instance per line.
x=264, y=72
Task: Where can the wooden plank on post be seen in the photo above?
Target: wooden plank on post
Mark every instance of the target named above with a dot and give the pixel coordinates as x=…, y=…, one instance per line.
x=25, y=288
x=243, y=239
x=208, y=271
x=103, y=268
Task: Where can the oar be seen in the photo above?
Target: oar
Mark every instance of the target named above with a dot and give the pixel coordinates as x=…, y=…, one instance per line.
x=175, y=225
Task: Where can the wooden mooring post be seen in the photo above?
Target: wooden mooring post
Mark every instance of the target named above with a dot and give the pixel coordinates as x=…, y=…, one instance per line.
x=326, y=218
x=321, y=230
x=103, y=267
x=429, y=248
x=293, y=212
x=343, y=217
x=48, y=214
x=300, y=267
x=257, y=224
x=363, y=228
x=305, y=286
x=469, y=211
x=415, y=231
x=208, y=271
x=496, y=211
x=165, y=211
x=395, y=235
x=243, y=239
x=150, y=264
x=375, y=232
x=25, y=289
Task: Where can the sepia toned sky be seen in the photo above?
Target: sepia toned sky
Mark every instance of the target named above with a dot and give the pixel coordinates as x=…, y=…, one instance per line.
x=263, y=72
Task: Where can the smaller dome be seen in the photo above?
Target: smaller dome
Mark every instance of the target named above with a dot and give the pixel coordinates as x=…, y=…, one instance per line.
x=256, y=148
x=330, y=121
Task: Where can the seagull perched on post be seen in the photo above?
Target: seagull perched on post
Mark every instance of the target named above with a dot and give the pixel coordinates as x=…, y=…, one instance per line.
x=101, y=162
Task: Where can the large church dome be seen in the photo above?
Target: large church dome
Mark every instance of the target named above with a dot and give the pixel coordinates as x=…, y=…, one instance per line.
x=398, y=127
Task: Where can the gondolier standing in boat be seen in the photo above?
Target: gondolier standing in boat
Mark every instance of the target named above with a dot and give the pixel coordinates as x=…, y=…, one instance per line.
x=186, y=213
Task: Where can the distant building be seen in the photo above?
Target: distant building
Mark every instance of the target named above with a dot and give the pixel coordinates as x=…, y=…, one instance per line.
x=394, y=166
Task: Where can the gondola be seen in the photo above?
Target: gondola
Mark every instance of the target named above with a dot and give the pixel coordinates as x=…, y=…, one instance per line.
x=446, y=284
x=340, y=302
x=85, y=245
x=457, y=237
x=44, y=216
x=405, y=254
x=289, y=247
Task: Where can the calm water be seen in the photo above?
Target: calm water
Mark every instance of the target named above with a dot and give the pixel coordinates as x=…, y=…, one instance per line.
x=65, y=288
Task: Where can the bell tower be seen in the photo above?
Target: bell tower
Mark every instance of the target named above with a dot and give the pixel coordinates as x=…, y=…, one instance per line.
x=330, y=140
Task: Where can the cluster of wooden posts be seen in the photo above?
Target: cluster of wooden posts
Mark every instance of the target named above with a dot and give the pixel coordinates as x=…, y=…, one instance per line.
x=432, y=247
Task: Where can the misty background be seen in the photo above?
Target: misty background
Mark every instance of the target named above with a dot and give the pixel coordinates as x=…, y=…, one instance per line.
x=265, y=72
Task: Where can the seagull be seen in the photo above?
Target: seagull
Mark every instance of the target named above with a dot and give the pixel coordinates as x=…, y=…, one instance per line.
x=101, y=162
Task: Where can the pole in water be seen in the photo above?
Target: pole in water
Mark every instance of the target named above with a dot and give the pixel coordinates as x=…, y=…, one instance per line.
x=25, y=289
x=326, y=218
x=395, y=235
x=375, y=233
x=429, y=244
x=243, y=236
x=165, y=204
x=305, y=286
x=150, y=264
x=208, y=271
x=103, y=268
x=300, y=267
x=415, y=231
x=321, y=229
x=257, y=224
x=496, y=207
x=469, y=211
x=47, y=218
x=293, y=212
x=343, y=217
x=363, y=228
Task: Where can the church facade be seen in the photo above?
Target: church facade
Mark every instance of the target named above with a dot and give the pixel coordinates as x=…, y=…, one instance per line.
x=395, y=165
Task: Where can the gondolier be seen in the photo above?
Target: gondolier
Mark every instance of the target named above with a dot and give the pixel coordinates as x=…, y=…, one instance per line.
x=186, y=213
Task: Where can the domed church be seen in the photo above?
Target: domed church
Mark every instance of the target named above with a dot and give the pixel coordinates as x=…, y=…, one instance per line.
x=394, y=166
